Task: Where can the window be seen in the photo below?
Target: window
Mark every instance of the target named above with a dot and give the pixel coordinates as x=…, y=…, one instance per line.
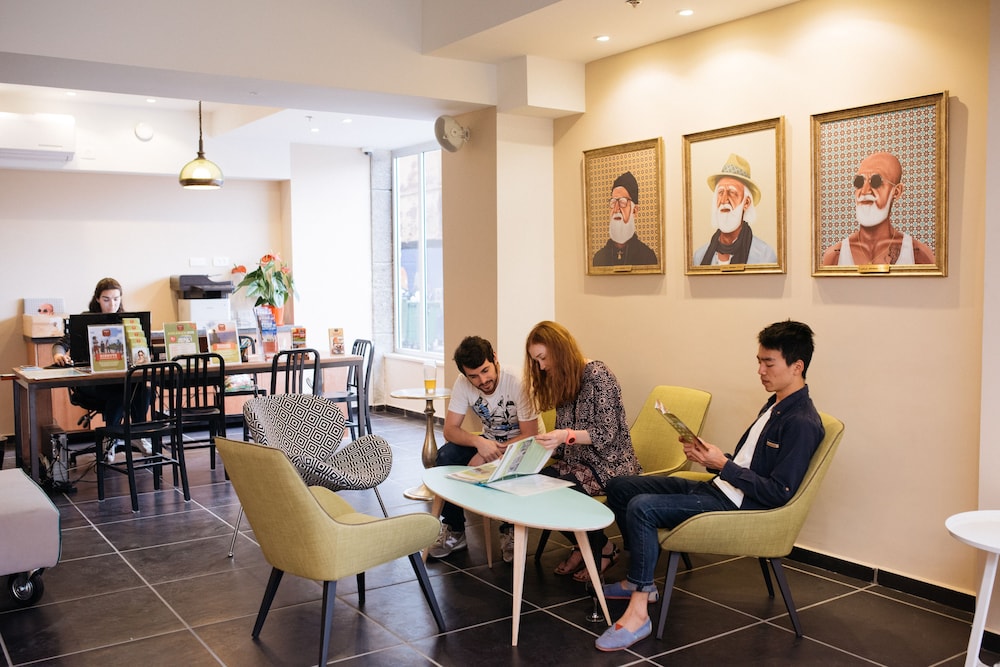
x=419, y=290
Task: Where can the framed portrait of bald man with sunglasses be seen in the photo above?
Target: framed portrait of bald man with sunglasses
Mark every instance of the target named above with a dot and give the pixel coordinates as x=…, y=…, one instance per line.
x=623, y=198
x=880, y=189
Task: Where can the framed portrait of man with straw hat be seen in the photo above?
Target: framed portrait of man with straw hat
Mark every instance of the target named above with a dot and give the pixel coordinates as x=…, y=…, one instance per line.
x=734, y=201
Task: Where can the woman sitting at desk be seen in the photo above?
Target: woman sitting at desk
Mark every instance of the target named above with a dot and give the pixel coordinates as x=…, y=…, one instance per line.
x=106, y=399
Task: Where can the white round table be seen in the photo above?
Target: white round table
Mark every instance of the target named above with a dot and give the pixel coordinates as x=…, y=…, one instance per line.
x=980, y=529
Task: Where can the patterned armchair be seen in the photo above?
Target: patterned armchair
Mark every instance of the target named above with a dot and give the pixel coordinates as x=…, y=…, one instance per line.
x=309, y=430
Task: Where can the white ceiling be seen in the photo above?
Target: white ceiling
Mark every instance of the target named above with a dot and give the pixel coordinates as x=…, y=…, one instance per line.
x=563, y=30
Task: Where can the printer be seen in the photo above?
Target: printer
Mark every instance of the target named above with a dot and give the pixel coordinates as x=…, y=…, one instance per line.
x=202, y=299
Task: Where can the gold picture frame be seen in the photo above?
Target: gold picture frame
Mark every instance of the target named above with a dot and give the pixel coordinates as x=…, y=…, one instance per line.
x=905, y=140
x=629, y=173
x=747, y=233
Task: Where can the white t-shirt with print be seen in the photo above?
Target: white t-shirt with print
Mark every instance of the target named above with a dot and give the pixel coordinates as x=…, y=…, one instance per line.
x=500, y=411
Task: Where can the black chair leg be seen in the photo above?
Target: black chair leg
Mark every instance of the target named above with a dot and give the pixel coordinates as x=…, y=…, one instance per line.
x=668, y=588
x=786, y=593
x=542, y=541
x=265, y=604
x=425, y=585
x=130, y=469
x=767, y=577
x=687, y=561
x=329, y=597
x=361, y=589
x=380, y=503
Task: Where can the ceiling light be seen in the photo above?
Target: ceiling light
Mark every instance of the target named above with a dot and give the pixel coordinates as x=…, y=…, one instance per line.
x=602, y=38
x=685, y=12
x=70, y=93
x=151, y=100
x=201, y=173
x=347, y=121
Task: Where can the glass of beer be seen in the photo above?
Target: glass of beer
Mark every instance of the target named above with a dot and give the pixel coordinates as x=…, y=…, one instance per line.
x=430, y=377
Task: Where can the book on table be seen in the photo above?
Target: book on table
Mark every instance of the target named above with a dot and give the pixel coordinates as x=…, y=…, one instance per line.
x=516, y=471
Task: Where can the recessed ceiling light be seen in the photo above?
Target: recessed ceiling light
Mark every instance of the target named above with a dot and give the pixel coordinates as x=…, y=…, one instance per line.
x=151, y=100
x=603, y=38
x=347, y=121
x=685, y=12
x=70, y=93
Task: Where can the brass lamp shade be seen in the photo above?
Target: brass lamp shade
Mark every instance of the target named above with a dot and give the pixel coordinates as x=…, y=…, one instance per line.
x=201, y=173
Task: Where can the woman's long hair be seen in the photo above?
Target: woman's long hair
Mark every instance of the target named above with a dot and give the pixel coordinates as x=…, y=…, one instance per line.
x=103, y=285
x=561, y=383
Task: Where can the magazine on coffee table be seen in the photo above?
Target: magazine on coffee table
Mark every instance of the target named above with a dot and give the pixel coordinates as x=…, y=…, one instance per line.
x=521, y=460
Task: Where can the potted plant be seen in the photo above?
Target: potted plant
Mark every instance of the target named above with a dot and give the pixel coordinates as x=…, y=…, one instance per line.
x=270, y=283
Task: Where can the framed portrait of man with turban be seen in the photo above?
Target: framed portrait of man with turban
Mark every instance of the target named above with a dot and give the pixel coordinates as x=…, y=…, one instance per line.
x=624, y=209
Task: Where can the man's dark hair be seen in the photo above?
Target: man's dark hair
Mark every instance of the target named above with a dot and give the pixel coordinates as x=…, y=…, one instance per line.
x=793, y=339
x=473, y=352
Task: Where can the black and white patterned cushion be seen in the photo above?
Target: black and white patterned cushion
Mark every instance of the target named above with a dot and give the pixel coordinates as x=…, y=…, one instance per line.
x=309, y=430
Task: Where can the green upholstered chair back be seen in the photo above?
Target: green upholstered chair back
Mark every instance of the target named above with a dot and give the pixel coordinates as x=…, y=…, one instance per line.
x=758, y=533
x=310, y=531
x=655, y=440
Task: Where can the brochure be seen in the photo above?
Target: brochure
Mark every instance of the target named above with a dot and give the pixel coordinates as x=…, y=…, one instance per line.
x=107, y=347
x=682, y=429
x=524, y=457
x=224, y=340
x=180, y=338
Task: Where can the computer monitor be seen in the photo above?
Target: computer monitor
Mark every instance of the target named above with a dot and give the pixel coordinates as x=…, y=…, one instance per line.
x=79, y=344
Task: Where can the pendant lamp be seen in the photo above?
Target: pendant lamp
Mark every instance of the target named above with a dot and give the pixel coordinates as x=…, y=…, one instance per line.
x=201, y=173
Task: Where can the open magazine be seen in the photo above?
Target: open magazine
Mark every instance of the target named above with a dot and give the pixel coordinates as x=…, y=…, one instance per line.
x=682, y=429
x=515, y=472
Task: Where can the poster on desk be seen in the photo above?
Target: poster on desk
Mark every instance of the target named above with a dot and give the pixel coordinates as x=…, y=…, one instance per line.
x=180, y=338
x=107, y=347
x=224, y=340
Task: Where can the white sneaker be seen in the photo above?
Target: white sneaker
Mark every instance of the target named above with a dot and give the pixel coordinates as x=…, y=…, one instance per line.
x=447, y=542
x=146, y=445
x=112, y=447
x=507, y=544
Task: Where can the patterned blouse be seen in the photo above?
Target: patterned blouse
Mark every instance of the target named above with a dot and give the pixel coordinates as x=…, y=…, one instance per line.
x=598, y=410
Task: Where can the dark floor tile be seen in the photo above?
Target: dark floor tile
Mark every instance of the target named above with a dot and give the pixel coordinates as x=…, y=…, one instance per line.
x=82, y=542
x=50, y=630
x=543, y=639
x=191, y=558
x=164, y=529
x=167, y=650
x=85, y=577
x=222, y=596
x=863, y=623
x=761, y=645
x=290, y=637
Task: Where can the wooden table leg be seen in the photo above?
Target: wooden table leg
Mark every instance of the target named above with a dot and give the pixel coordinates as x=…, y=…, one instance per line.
x=583, y=542
x=520, y=553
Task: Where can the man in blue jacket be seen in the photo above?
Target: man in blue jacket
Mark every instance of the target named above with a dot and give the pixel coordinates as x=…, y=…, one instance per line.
x=765, y=471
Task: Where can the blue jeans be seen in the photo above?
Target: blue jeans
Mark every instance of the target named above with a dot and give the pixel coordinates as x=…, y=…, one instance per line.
x=451, y=454
x=642, y=505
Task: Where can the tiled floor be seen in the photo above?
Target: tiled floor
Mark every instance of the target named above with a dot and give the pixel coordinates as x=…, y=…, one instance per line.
x=157, y=588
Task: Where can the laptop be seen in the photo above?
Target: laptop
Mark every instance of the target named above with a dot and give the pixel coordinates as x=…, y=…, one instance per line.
x=79, y=345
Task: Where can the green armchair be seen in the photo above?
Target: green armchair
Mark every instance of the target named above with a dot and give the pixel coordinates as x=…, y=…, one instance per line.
x=767, y=535
x=313, y=533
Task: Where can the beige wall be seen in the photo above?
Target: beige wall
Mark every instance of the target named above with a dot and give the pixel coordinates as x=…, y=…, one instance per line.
x=897, y=358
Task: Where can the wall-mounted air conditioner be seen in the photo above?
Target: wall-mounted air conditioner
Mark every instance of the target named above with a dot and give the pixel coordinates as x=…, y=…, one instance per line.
x=38, y=136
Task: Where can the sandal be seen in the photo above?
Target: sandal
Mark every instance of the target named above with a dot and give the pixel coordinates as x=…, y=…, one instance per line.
x=565, y=568
x=607, y=560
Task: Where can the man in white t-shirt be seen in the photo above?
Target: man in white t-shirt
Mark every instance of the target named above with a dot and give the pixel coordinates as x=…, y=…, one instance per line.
x=506, y=414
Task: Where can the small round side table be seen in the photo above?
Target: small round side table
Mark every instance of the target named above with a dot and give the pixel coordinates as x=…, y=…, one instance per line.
x=980, y=529
x=428, y=455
